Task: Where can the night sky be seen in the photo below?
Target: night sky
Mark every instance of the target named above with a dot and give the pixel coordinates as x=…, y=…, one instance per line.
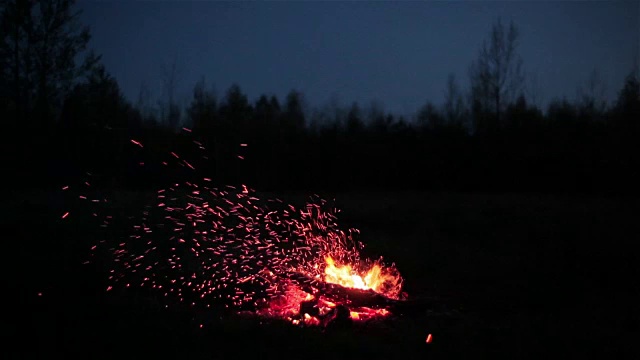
x=398, y=53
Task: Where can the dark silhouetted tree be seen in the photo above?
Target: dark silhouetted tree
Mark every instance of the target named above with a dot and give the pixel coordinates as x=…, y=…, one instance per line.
x=354, y=123
x=292, y=119
x=523, y=119
x=316, y=121
x=236, y=120
x=626, y=110
x=429, y=118
x=266, y=116
x=381, y=123
x=373, y=112
x=399, y=126
x=203, y=109
x=275, y=106
x=98, y=122
x=235, y=108
x=533, y=90
x=170, y=111
x=557, y=110
x=97, y=102
x=628, y=101
x=496, y=75
x=147, y=112
x=454, y=109
x=336, y=113
x=591, y=101
x=39, y=45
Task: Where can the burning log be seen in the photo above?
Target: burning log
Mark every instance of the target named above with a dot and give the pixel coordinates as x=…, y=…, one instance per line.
x=357, y=298
x=354, y=297
x=336, y=293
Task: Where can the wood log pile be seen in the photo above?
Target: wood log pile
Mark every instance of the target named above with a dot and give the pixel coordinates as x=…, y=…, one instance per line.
x=356, y=298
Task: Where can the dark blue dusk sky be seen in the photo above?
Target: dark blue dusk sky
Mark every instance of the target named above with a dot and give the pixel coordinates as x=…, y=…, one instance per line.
x=399, y=53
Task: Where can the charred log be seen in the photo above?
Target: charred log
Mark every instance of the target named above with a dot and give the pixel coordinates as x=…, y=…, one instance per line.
x=336, y=293
x=310, y=307
x=338, y=318
x=356, y=298
x=353, y=298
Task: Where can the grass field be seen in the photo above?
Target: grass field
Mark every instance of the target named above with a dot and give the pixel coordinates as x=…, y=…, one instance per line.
x=516, y=276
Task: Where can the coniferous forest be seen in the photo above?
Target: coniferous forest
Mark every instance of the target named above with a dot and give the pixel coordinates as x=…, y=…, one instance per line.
x=63, y=113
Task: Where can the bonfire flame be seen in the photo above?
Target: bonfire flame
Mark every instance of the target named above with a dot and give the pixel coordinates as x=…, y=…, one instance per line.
x=202, y=245
x=302, y=307
x=384, y=281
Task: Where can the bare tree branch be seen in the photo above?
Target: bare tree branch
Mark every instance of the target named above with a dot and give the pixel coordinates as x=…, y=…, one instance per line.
x=496, y=75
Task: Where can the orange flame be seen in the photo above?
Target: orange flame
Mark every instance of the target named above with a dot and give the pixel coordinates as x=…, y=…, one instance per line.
x=381, y=280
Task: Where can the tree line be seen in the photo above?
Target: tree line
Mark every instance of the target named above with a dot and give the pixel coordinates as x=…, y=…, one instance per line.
x=64, y=115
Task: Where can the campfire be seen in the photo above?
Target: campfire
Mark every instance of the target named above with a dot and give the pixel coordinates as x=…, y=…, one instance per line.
x=226, y=247
x=339, y=295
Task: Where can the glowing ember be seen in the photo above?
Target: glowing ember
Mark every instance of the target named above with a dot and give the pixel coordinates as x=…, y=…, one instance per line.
x=227, y=247
x=429, y=339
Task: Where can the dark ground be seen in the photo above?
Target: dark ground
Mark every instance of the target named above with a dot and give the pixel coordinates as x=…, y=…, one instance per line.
x=517, y=276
